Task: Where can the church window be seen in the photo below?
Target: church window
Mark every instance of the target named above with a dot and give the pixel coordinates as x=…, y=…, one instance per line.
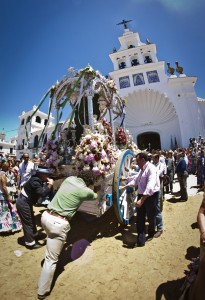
x=134, y=62
x=131, y=46
x=45, y=139
x=38, y=119
x=22, y=122
x=152, y=76
x=122, y=65
x=147, y=59
x=124, y=82
x=35, y=141
x=138, y=79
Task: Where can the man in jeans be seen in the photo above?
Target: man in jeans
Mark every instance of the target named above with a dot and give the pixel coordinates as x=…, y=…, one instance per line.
x=55, y=221
x=161, y=170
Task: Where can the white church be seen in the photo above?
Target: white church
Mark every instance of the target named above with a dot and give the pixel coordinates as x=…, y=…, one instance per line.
x=162, y=108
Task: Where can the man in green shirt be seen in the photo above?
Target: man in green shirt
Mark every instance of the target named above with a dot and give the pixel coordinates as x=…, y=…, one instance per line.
x=55, y=221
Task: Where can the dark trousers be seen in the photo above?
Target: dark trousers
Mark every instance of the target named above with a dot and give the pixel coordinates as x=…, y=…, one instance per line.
x=26, y=214
x=148, y=209
x=169, y=187
x=183, y=186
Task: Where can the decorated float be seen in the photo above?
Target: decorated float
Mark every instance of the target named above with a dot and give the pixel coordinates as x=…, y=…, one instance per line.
x=93, y=137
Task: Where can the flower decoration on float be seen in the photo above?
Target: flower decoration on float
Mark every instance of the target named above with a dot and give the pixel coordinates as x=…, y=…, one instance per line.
x=97, y=153
x=51, y=154
x=111, y=84
x=120, y=137
x=130, y=143
x=107, y=127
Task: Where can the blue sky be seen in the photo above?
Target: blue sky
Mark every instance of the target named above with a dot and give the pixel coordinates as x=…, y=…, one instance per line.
x=41, y=39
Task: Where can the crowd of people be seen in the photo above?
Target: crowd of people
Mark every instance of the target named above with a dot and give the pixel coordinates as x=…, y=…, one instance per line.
x=24, y=181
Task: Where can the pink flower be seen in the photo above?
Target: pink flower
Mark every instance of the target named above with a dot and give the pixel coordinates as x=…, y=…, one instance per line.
x=107, y=168
x=86, y=159
x=93, y=145
x=103, y=154
x=54, y=154
x=91, y=157
x=96, y=171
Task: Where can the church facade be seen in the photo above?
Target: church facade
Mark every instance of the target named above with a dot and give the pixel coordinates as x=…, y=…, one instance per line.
x=162, y=109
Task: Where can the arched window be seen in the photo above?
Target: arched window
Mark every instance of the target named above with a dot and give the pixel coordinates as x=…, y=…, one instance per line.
x=22, y=122
x=35, y=141
x=45, y=139
x=38, y=119
x=134, y=61
x=147, y=59
x=45, y=121
x=130, y=45
x=122, y=65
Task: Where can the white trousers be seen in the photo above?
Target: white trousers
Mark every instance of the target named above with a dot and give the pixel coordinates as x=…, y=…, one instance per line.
x=57, y=230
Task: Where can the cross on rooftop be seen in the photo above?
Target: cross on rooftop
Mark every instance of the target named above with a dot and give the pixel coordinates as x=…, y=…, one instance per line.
x=124, y=22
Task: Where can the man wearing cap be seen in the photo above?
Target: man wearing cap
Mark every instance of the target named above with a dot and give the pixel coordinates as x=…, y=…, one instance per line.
x=33, y=189
x=55, y=221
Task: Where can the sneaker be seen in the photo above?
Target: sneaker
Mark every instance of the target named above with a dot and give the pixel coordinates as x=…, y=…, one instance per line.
x=158, y=233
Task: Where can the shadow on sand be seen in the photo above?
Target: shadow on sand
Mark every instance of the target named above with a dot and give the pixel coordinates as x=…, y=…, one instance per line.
x=172, y=290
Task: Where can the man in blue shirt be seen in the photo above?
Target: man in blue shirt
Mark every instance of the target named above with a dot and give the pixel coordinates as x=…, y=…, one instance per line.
x=182, y=174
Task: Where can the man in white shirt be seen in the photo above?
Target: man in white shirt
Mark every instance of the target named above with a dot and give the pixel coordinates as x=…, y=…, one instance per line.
x=25, y=170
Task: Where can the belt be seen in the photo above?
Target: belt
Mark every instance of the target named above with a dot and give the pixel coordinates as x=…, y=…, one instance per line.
x=57, y=215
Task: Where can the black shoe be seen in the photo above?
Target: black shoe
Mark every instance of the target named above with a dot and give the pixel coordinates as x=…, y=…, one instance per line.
x=139, y=245
x=41, y=297
x=150, y=237
x=40, y=236
x=35, y=246
x=182, y=200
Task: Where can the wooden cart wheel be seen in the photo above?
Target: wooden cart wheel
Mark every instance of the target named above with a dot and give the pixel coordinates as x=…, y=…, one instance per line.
x=123, y=200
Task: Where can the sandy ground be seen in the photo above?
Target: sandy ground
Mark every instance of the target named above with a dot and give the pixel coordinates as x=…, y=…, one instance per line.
x=97, y=264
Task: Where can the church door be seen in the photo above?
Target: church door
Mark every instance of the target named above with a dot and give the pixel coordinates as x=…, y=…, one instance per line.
x=149, y=141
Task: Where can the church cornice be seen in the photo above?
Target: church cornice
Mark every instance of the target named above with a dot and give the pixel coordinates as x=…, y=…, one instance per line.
x=182, y=80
